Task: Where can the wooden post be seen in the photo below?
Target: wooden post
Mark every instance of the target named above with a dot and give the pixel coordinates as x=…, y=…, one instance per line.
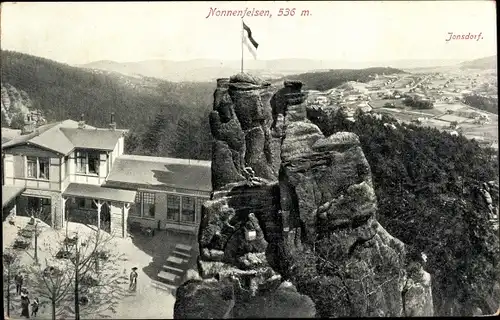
x=126, y=208
x=98, y=203
x=36, y=241
x=63, y=211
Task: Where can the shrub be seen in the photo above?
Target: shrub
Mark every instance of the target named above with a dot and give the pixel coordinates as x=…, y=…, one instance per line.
x=89, y=281
x=26, y=233
x=21, y=243
x=70, y=241
x=64, y=254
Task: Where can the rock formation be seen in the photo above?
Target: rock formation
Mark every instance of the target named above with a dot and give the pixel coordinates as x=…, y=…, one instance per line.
x=241, y=126
x=283, y=190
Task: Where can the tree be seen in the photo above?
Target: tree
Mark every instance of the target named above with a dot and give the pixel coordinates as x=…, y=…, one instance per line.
x=192, y=140
x=52, y=281
x=36, y=216
x=132, y=143
x=82, y=276
x=97, y=278
x=10, y=263
x=17, y=121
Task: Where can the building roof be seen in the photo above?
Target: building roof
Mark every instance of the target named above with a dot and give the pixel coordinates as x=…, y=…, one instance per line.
x=101, y=193
x=101, y=139
x=9, y=193
x=9, y=134
x=62, y=137
x=156, y=171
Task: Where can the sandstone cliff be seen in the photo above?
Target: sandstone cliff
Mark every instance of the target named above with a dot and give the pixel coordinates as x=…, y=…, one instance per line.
x=289, y=203
x=14, y=103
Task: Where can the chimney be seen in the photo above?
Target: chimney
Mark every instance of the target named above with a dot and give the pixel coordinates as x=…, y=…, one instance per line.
x=81, y=123
x=112, y=123
x=29, y=125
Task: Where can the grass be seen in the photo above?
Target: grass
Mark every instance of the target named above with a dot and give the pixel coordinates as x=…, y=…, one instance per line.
x=377, y=104
x=451, y=118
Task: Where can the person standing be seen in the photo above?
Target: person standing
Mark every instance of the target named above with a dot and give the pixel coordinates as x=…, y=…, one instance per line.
x=25, y=303
x=133, y=279
x=34, y=307
x=19, y=282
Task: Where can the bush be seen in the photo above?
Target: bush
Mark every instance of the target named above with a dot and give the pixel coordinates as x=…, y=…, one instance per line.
x=29, y=227
x=89, y=281
x=102, y=255
x=21, y=243
x=418, y=103
x=84, y=300
x=64, y=254
x=70, y=241
x=25, y=233
x=51, y=271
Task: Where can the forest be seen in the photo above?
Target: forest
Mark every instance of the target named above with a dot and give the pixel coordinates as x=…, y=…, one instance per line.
x=325, y=80
x=483, y=103
x=164, y=118
x=417, y=103
x=428, y=184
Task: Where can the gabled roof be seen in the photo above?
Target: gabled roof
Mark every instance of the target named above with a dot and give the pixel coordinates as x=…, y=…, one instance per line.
x=101, y=139
x=156, y=171
x=62, y=137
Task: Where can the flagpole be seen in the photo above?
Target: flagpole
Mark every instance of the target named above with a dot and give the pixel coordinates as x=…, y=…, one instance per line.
x=242, y=35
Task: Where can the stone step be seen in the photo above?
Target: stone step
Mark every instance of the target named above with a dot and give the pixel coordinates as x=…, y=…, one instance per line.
x=183, y=247
x=163, y=286
x=173, y=270
x=176, y=261
x=182, y=254
x=167, y=277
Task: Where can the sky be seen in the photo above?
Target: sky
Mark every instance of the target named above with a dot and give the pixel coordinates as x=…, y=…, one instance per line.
x=78, y=33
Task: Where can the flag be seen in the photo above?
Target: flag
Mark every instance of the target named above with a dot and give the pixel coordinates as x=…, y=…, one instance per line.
x=249, y=41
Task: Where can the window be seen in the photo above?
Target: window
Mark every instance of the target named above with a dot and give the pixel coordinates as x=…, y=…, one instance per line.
x=87, y=162
x=93, y=162
x=173, y=207
x=148, y=205
x=81, y=203
x=66, y=165
x=43, y=165
x=199, y=204
x=144, y=205
x=33, y=203
x=37, y=168
x=84, y=203
x=31, y=167
x=81, y=162
x=188, y=209
x=135, y=209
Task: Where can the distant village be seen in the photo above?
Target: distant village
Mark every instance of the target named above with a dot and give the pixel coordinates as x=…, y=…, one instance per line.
x=439, y=101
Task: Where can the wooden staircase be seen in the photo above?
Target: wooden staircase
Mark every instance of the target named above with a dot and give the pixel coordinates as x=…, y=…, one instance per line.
x=174, y=269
